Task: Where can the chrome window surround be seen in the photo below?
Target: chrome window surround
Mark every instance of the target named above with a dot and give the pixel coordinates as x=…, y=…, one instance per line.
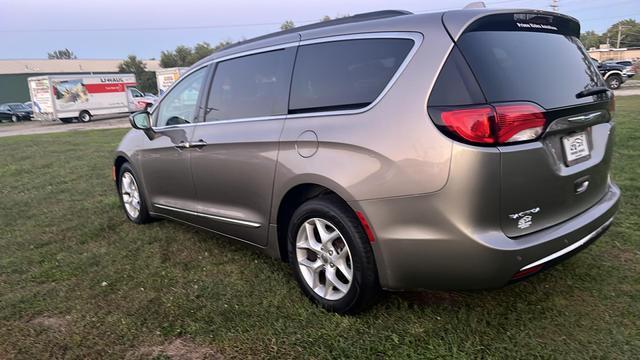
x=415, y=36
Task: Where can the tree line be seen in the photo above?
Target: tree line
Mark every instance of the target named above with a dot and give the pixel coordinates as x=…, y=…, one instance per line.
x=628, y=31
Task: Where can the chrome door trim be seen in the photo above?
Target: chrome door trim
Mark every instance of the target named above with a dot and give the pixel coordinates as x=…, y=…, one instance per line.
x=415, y=36
x=213, y=217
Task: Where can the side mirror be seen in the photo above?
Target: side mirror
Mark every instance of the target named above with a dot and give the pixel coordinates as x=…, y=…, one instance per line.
x=140, y=120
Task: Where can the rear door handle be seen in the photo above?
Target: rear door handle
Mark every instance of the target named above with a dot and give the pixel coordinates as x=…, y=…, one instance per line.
x=198, y=144
x=183, y=145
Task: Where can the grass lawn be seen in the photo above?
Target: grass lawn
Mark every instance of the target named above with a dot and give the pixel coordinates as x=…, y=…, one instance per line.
x=78, y=281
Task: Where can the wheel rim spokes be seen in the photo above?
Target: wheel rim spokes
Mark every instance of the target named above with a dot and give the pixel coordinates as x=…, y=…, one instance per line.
x=324, y=259
x=130, y=194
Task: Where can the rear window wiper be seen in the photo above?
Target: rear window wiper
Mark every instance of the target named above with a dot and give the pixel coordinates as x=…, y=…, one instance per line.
x=592, y=91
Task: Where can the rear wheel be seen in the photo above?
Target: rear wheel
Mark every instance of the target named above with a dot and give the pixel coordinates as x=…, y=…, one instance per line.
x=614, y=82
x=330, y=256
x=131, y=196
x=84, y=116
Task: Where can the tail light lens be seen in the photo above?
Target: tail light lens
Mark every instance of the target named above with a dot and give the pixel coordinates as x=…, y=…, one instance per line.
x=471, y=124
x=518, y=123
x=498, y=124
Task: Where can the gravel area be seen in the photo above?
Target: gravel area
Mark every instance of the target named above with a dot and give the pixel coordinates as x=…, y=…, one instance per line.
x=44, y=127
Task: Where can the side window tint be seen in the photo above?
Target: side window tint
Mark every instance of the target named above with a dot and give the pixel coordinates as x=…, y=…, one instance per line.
x=180, y=105
x=456, y=84
x=250, y=86
x=347, y=74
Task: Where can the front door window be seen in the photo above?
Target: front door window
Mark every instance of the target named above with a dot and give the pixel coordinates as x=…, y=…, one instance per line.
x=179, y=106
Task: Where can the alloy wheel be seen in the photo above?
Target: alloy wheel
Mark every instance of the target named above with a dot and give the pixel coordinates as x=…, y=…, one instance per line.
x=130, y=194
x=324, y=259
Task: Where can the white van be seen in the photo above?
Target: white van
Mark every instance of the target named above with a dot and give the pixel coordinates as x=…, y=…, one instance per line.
x=69, y=97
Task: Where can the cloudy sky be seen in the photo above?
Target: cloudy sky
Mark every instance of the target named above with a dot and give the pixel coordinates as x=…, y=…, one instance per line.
x=116, y=28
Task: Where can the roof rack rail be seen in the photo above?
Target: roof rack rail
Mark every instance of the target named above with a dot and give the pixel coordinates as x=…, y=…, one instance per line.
x=374, y=15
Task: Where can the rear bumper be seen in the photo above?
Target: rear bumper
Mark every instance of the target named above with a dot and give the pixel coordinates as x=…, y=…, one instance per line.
x=441, y=253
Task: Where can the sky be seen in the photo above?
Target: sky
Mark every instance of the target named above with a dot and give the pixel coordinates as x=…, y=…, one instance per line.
x=113, y=29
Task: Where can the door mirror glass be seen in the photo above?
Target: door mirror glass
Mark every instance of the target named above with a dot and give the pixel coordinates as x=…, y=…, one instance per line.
x=140, y=120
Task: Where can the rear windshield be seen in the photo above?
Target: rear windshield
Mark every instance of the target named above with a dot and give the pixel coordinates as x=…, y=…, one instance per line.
x=546, y=68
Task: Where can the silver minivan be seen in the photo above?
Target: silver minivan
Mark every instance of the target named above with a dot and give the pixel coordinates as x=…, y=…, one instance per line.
x=463, y=149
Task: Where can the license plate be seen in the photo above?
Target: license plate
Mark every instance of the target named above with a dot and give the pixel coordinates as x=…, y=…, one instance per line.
x=576, y=148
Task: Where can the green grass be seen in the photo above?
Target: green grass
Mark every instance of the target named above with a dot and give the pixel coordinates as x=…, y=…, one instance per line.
x=63, y=234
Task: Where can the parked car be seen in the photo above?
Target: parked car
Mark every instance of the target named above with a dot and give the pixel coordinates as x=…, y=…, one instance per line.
x=628, y=70
x=387, y=150
x=15, y=112
x=612, y=73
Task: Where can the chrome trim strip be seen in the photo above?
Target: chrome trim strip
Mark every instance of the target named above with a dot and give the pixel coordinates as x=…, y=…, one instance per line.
x=213, y=217
x=571, y=247
x=415, y=36
x=584, y=118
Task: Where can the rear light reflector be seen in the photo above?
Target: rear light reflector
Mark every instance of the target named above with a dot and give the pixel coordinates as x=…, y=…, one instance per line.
x=498, y=124
x=530, y=271
x=365, y=226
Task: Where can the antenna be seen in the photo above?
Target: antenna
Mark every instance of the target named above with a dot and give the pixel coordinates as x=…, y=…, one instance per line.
x=554, y=5
x=475, y=5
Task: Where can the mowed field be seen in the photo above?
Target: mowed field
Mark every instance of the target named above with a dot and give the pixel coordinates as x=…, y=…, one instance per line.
x=79, y=281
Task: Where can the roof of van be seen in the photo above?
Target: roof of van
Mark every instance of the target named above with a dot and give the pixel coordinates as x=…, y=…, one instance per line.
x=385, y=20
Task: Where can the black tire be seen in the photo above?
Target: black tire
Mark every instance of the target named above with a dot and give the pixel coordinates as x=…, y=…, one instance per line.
x=365, y=287
x=84, y=116
x=143, y=216
x=614, y=82
x=66, y=120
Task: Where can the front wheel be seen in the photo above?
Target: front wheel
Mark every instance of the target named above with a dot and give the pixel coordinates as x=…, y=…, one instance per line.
x=331, y=257
x=14, y=118
x=614, y=82
x=131, y=196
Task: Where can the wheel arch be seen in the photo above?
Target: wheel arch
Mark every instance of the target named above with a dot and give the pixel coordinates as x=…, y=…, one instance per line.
x=613, y=72
x=120, y=160
x=291, y=199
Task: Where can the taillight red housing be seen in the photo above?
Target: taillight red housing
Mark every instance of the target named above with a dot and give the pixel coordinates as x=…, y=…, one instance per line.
x=492, y=124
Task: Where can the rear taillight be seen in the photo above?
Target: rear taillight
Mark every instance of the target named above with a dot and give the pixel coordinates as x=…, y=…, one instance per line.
x=518, y=123
x=498, y=124
x=471, y=124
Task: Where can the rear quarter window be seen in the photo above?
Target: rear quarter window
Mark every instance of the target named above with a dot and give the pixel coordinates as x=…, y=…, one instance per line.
x=347, y=74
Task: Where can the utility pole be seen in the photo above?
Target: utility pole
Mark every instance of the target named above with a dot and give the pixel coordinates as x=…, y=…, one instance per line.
x=554, y=5
x=620, y=28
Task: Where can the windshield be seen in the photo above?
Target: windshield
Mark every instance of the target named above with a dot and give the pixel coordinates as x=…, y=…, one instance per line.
x=546, y=68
